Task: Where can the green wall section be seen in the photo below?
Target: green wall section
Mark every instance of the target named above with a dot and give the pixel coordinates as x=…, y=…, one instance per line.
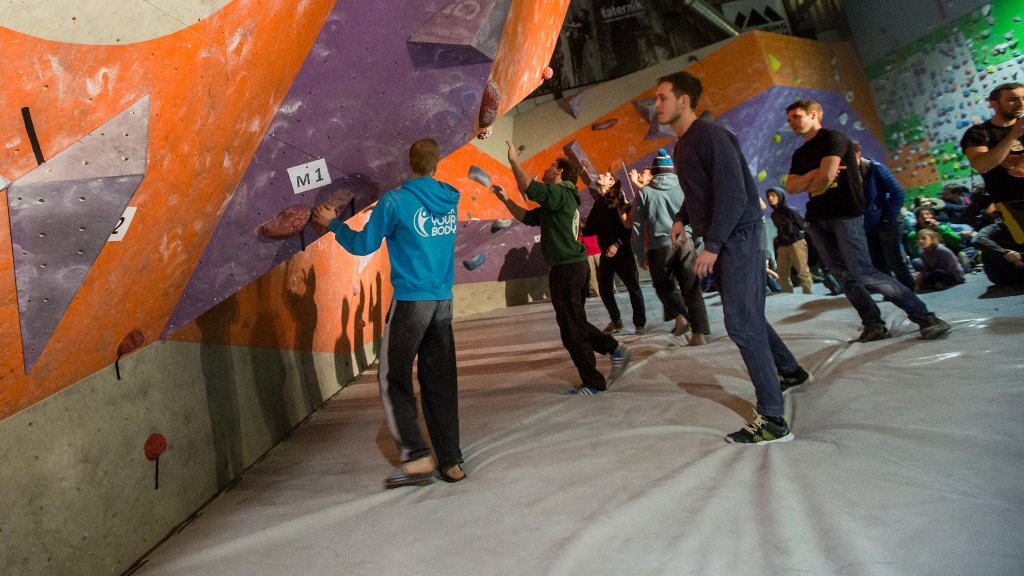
x=931, y=90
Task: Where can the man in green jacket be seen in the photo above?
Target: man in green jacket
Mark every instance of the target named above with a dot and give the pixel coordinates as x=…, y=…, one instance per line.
x=559, y=219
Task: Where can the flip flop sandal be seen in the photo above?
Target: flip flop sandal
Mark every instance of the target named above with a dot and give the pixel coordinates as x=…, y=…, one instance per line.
x=400, y=478
x=450, y=479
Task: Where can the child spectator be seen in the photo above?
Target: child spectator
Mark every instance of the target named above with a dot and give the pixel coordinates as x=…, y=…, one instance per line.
x=939, y=268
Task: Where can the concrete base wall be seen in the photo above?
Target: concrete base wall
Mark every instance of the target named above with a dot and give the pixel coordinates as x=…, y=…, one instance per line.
x=486, y=296
x=77, y=493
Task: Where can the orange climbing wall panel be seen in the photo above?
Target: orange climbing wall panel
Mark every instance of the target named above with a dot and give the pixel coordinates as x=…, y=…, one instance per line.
x=210, y=106
x=526, y=45
x=731, y=75
x=321, y=299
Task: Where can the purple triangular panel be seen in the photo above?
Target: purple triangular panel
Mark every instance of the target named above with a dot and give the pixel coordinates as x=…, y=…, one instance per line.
x=459, y=34
x=57, y=231
x=572, y=105
x=655, y=131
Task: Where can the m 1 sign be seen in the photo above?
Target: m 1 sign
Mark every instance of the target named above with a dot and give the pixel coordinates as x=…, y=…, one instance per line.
x=767, y=15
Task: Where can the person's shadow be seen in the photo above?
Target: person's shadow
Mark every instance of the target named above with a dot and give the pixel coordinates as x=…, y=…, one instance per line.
x=302, y=306
x=216, y=360
x=520, y=264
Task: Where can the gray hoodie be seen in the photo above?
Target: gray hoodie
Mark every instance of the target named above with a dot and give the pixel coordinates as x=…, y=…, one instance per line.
x=656, y=205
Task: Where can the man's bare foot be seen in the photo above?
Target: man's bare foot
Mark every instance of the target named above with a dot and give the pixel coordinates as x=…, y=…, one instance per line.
x=421, y=466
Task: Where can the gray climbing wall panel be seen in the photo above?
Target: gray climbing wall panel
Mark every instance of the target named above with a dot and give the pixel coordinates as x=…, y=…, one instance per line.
x=63, y=212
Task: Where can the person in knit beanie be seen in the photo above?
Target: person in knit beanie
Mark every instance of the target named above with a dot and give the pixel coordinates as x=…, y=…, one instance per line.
x=658, y=198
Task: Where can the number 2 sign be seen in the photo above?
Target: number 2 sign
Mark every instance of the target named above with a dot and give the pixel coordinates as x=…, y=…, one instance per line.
x=121, y=228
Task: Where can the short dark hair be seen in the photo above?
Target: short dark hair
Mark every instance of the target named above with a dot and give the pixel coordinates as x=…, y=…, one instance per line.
x=570, y=172
x=684, y=83
x=807, y=106
x=423, y=156
x=856, y=147
x=997, y=92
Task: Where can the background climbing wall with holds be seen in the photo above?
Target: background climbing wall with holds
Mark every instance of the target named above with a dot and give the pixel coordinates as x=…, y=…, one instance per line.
x=201, y=134
x=748, y=82
x=935, y=87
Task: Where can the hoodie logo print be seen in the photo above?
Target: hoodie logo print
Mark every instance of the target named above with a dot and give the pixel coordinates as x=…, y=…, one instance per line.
x=427, y=225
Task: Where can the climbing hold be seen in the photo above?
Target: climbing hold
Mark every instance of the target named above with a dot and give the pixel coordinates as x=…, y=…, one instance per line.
x=489, y=105
x=501, y=224
x=474, y=262
x=773, y=62
x=129, y=343
x=478, y=175
x=547, y=73
x=286, y=224
x=604, y=124
x=762, y=175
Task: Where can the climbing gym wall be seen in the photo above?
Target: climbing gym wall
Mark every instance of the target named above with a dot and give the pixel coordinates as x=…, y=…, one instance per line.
x=934, y=88
x=748, y=82
x=161, y=276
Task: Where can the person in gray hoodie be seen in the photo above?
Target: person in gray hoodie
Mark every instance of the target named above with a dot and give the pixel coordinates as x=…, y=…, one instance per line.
x=657, y=201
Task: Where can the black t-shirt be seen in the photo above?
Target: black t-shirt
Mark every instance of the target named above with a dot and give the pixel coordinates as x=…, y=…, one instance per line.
x=1006, y=181
x=844, y=197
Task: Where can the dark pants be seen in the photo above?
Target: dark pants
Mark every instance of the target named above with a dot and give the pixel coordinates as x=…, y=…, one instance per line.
x=844, y=248
x=884, y=249
x=568, y=286
x=739, y=273
x=624, y=265
x=421, y=330
x=671, y=266
x=999, y=271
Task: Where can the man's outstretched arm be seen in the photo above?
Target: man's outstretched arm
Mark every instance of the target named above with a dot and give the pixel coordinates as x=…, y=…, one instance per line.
x=518, y=212
x=522, y=180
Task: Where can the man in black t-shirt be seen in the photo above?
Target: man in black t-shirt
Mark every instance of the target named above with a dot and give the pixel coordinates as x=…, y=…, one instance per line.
x=994, y=147
x=826, y=168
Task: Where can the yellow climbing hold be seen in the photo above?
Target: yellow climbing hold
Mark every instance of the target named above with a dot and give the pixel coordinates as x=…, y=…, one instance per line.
x=762, y=175
x=774, y=63
x=777, y=138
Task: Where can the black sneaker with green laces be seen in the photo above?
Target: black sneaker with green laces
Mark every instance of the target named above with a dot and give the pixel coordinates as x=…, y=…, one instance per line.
x=760, y=430
x=795, y=379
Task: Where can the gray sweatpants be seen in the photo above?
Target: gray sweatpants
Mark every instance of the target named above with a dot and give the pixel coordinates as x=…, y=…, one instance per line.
x=421, y=330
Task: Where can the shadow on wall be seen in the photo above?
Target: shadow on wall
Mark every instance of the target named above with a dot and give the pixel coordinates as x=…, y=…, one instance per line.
x=302, y=305
x=268, y=369
x=346, y=349
x=217, y=364
x=516, y=260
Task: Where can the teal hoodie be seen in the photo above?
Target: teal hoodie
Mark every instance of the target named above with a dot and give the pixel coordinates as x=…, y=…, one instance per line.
x=419, y=219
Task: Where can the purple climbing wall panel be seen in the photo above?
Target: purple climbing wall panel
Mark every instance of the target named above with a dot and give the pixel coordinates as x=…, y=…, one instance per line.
x=358, y=102
x=62, y=214
x=768, y=143
x=509, y=252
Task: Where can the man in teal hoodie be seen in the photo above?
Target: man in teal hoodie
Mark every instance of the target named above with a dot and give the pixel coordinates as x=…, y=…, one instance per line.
x=559, y=219
x=419, y=219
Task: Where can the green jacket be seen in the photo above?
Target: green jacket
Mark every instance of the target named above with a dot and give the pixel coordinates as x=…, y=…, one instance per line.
x=559, y=221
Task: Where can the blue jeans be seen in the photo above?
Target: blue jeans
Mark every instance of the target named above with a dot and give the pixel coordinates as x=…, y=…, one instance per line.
x=843, y=246
x=739, y=273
